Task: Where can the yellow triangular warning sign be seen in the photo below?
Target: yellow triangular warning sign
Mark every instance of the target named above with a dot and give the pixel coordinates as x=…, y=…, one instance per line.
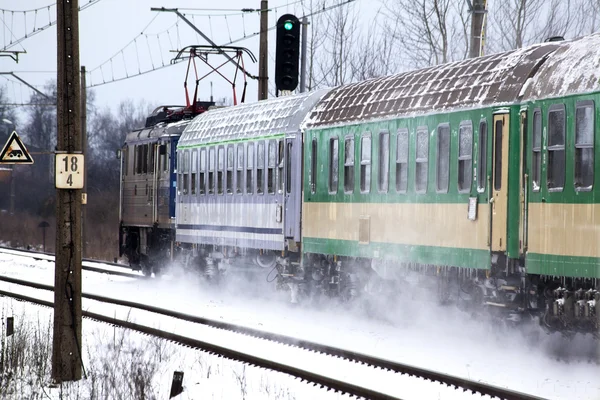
x=15, y=152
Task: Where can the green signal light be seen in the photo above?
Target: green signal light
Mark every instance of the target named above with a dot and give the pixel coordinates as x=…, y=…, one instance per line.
x=288, y=25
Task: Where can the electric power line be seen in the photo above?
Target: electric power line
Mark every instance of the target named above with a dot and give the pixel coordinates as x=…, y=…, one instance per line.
x=35, y=30
x=156, y=68
x=28, y=11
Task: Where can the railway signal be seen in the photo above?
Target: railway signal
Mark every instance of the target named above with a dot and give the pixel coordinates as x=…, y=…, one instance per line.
x=287, y=53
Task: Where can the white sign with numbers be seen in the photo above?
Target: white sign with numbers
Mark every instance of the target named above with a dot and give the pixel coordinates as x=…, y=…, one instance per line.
x=69, y=171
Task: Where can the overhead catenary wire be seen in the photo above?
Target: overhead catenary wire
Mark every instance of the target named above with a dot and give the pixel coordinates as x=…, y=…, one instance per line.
x=7, y=28
x=232, y=12
x=30, y=10
x=178, y=41
x=51, y=22
x=128, y=43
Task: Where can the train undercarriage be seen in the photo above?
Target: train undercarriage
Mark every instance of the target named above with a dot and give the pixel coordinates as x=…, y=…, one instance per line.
x=561, y=305
x=148, y=249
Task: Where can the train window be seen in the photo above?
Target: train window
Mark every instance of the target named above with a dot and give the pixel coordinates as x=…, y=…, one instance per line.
x=402, y=161
x=202, y=186
x=443, y=158
x=280, y=167
x=143, y=157
x=365, y=163
x=186, y=170
x=421, y=160
x=163, y=161
x=134, y=169
x=250, y=168
x=125, y=160
x=465, y=155
x=194, y=169
x=211, y=170
x=175, y=162
x=239, y=178
x=220, y=169
x=151, y=150
x=313, y=166
x=162, y=154
x=384, y=162
x=260, y=168
x=334, y=162
x=143, y=154
x=482, y=157
x=498, y=154
x=142, y=160
x=147, y=156
x=179, y=172
x=556, y=147
x=288, y=176
x=229, y=175
x=536, y=159
x=139, y=158
x=584, y=146
x=271, y=167
x=349, y=164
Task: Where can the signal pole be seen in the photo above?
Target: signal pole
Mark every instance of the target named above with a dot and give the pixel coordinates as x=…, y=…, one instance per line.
x=66, y=345
x=263, y=61
x=477, y=17
x=303, y=55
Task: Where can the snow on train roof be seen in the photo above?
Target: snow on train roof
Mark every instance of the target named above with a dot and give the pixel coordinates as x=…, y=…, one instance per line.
x=573, y=68
x=493, y=79
x=159, y=130
x=263, y=118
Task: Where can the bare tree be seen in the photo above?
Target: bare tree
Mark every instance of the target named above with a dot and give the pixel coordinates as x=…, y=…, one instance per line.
x=332, y=68
x=518, y=23
x=8, y=116
x=315, y=39
x=106, y=134
x=375, y=52
x=40, y=128
x=590, y=12
x=429, y=32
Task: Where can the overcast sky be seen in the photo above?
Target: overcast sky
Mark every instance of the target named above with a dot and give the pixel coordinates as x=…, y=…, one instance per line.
x=108, y=26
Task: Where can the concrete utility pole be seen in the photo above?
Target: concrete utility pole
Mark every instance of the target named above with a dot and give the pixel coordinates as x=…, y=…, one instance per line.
x=66, y=345
x=477, y=17
x=303, y=55
x=85, y=152
x=263, y=59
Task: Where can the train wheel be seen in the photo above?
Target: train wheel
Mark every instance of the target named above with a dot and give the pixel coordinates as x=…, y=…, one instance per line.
x=146, y=266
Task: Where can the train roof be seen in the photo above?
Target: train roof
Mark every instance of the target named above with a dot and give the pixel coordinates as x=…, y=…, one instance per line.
x=481, y=81
x=162, y=129
x=573, y=68
x=283, y=115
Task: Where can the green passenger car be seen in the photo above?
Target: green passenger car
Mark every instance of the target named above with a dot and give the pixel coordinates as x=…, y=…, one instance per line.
x=481, y=170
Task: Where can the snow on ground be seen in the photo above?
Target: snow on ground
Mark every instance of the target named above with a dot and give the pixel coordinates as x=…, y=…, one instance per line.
x=413, y=333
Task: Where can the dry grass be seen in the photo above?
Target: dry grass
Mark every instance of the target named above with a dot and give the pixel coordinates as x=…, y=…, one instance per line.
x=101, y=229
x=118, y=366
x=21, y=230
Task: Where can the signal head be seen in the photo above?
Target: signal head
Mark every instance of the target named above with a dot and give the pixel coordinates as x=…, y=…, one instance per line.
x=287, y=53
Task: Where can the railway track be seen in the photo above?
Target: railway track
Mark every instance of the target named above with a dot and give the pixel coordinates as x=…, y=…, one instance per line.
x=87, y=264
x=359, y=359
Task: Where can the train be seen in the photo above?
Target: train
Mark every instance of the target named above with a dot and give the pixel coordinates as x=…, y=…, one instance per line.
x=479, y=173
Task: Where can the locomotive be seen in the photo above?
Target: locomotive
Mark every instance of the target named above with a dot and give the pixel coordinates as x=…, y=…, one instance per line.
x=480, y=173
x=148, y=183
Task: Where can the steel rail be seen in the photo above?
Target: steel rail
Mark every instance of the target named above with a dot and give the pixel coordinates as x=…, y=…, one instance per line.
x=84, y=267
x=322, y=380
x=404, y=369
